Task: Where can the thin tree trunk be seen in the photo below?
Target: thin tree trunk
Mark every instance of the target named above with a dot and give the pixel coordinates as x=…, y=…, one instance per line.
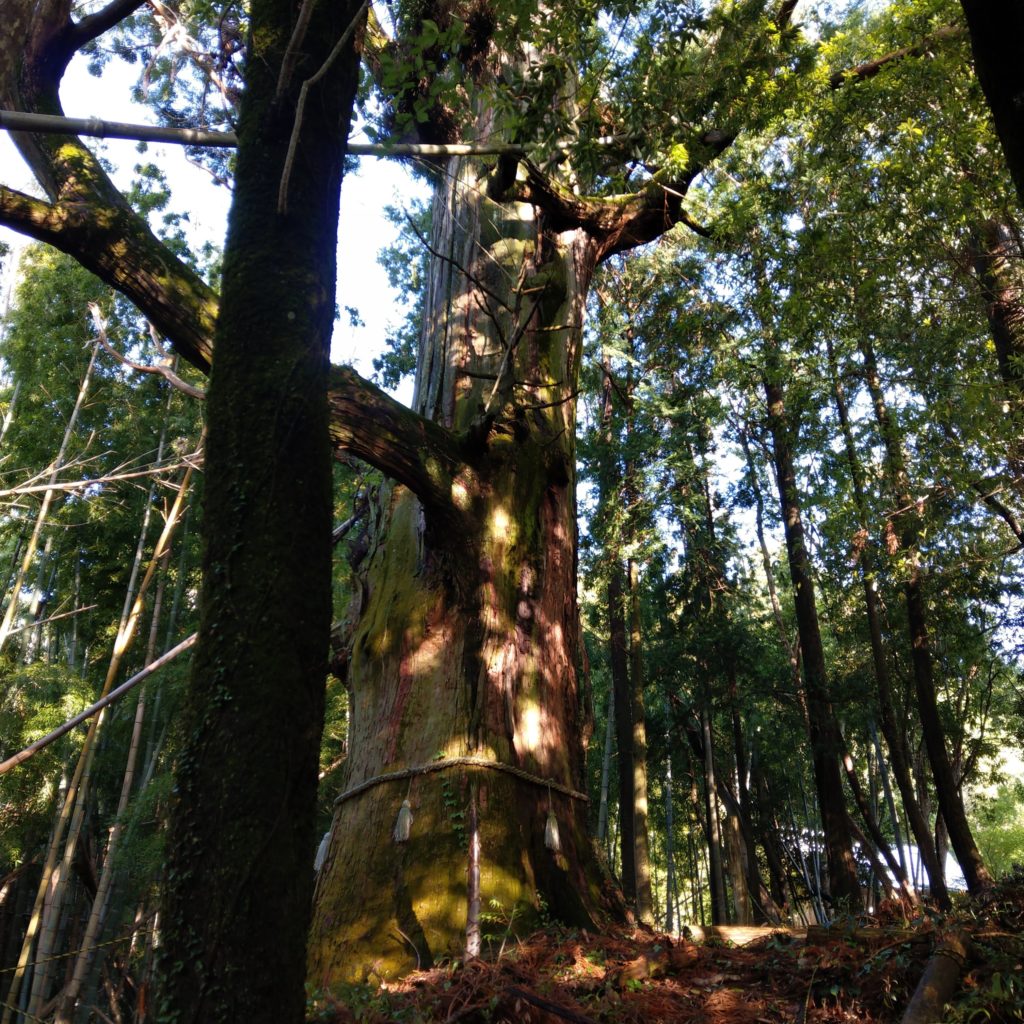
x=769, y=835
x=622, y=704
x=825, y=743
x=642, y=858
x=624, y=731
x=890, y=803
x=946, y=788
x=761, y=900
x=716, y=879
x=886, y=705
x=606, y=771
x=791, y=646
x=671, y=886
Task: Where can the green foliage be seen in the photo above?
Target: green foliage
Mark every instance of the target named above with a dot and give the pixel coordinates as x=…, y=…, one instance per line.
x=406, y=266
x=34, y=700
x=999, y=826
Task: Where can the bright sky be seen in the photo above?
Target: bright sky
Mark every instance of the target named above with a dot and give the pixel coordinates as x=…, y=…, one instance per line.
x=363, y=230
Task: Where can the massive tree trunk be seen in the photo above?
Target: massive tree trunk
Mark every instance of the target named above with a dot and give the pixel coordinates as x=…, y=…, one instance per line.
x=464, y=639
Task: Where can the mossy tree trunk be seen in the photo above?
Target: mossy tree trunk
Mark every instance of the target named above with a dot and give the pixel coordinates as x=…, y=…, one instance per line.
x=464, y=636
x=238, y=883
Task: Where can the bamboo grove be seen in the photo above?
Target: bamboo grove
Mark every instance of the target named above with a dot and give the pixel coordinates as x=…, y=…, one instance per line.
x=711, y=519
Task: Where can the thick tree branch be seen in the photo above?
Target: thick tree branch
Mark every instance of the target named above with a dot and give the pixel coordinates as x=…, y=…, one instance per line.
x=118, y=247
x=1004, y=512
x=414, y=451
x=87, y=217
x=94, y=25
x=871, y=68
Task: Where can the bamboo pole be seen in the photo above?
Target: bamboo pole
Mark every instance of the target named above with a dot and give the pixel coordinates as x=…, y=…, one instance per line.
x=121, y=644
x=111, y=698
x=44, y=508
x=66, y=1005
x=73, y=808
x=51, y=124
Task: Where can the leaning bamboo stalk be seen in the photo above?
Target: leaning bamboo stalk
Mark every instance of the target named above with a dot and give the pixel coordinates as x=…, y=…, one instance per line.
x=44, y=508
x=115, y=695
x=121, y=644
x=65, y=1009
x=55, y=884
x=71, y=802
x=9, y=413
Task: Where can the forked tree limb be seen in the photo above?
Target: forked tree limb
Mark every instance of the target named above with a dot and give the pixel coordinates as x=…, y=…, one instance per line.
x=164, y=370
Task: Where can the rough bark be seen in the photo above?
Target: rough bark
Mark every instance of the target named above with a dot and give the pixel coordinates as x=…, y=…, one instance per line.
x=467, y=643
x=239, y=877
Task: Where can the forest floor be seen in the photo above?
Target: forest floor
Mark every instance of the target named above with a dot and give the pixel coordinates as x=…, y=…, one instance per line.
x=865, y=970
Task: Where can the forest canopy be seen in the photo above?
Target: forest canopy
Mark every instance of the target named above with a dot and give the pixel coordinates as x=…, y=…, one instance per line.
x=685, y=590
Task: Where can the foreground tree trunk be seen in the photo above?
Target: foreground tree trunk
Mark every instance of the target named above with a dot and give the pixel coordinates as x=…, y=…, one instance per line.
x=997, y=34
x=239, y=877
x=464, y=639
